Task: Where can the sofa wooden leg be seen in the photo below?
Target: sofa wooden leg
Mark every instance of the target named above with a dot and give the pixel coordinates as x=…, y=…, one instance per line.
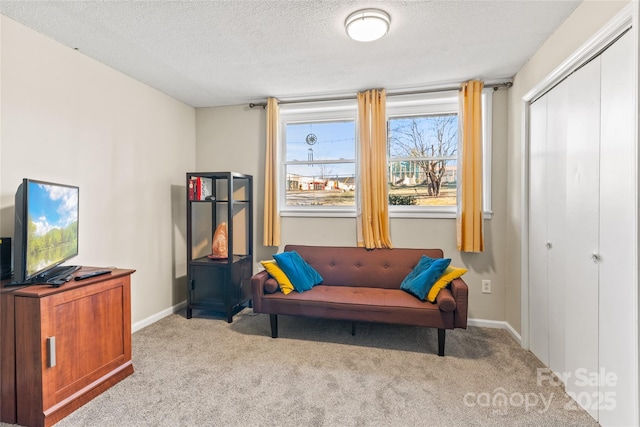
x=441, y=336
x=353, y=328
x=274, y=325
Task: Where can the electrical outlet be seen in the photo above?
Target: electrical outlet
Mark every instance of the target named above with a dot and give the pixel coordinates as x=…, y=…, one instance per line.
x=486, y=286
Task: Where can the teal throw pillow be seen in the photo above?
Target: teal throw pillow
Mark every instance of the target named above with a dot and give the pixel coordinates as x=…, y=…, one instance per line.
x=302, y=276
x=423, y=276
x=423, y=264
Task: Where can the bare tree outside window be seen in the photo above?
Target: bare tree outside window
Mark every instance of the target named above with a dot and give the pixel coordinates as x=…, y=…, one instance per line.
x=423, y=159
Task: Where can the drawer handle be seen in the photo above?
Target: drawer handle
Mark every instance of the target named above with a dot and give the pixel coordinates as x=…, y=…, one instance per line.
x=51, y=352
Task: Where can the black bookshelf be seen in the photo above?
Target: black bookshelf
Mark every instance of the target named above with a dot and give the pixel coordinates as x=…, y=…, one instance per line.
x=214, y=284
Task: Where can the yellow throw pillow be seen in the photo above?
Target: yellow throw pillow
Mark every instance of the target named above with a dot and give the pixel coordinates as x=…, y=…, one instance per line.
x=277, y=273
x=449, y=274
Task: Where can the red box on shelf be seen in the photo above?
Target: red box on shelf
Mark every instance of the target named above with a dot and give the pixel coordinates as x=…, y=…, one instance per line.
x=193, y=189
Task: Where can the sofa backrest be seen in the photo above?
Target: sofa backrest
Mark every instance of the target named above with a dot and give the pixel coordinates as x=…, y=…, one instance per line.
x=354, y=266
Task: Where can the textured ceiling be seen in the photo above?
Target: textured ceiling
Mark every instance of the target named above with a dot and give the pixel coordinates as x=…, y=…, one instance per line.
x=212, y=53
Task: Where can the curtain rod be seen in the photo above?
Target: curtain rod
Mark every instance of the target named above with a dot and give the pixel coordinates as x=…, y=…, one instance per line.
x=495, y=87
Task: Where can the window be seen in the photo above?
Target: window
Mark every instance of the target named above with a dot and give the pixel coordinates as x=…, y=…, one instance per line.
x=319, y=161
x=319, y=158
x=423, y=160
x=423, y=153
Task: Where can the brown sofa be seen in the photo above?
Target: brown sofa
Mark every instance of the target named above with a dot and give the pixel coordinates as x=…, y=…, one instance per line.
x=363, y=285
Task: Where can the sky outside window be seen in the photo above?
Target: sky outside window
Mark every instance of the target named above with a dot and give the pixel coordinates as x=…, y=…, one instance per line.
x=333, y=141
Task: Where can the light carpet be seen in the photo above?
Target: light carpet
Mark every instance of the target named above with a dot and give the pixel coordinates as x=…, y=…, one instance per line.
x=206, y=372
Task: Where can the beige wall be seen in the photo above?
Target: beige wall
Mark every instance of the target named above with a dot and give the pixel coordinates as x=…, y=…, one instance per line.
x=584, y=22
x=67, y=118
x=232, y=138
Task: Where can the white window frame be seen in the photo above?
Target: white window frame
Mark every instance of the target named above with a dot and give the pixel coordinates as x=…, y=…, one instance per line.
x=397, y=105
x=341, y=110
x=445, y=102
x=422, y=105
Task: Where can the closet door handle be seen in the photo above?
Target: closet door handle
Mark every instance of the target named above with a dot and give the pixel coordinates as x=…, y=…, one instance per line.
x=548, y=245
x=595, y=257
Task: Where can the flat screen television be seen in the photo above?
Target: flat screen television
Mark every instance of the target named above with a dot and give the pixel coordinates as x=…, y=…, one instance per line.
x=46, y=229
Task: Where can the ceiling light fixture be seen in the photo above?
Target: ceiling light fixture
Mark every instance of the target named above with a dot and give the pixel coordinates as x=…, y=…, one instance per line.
x=367, y=25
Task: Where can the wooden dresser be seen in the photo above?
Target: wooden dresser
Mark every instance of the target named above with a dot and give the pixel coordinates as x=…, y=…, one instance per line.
x=61, y=347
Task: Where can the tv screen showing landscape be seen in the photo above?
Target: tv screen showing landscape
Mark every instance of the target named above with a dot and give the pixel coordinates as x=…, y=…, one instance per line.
x=52, y=233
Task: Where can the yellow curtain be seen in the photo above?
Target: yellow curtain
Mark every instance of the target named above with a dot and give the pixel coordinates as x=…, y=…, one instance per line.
x=470, y=215
x=373, y=209
x=271, y=214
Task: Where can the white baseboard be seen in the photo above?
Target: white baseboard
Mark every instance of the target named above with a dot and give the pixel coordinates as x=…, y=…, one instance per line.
x=499, y=324
x=153, y=319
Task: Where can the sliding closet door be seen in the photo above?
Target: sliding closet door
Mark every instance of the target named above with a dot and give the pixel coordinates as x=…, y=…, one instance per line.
x=618, y=198
x=538, y=292
x=547, y=242
x=557, y=115
x=583, y=234
x=583, y=194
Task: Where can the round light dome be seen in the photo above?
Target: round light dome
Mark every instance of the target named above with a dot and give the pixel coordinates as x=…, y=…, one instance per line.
x=367, y=25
